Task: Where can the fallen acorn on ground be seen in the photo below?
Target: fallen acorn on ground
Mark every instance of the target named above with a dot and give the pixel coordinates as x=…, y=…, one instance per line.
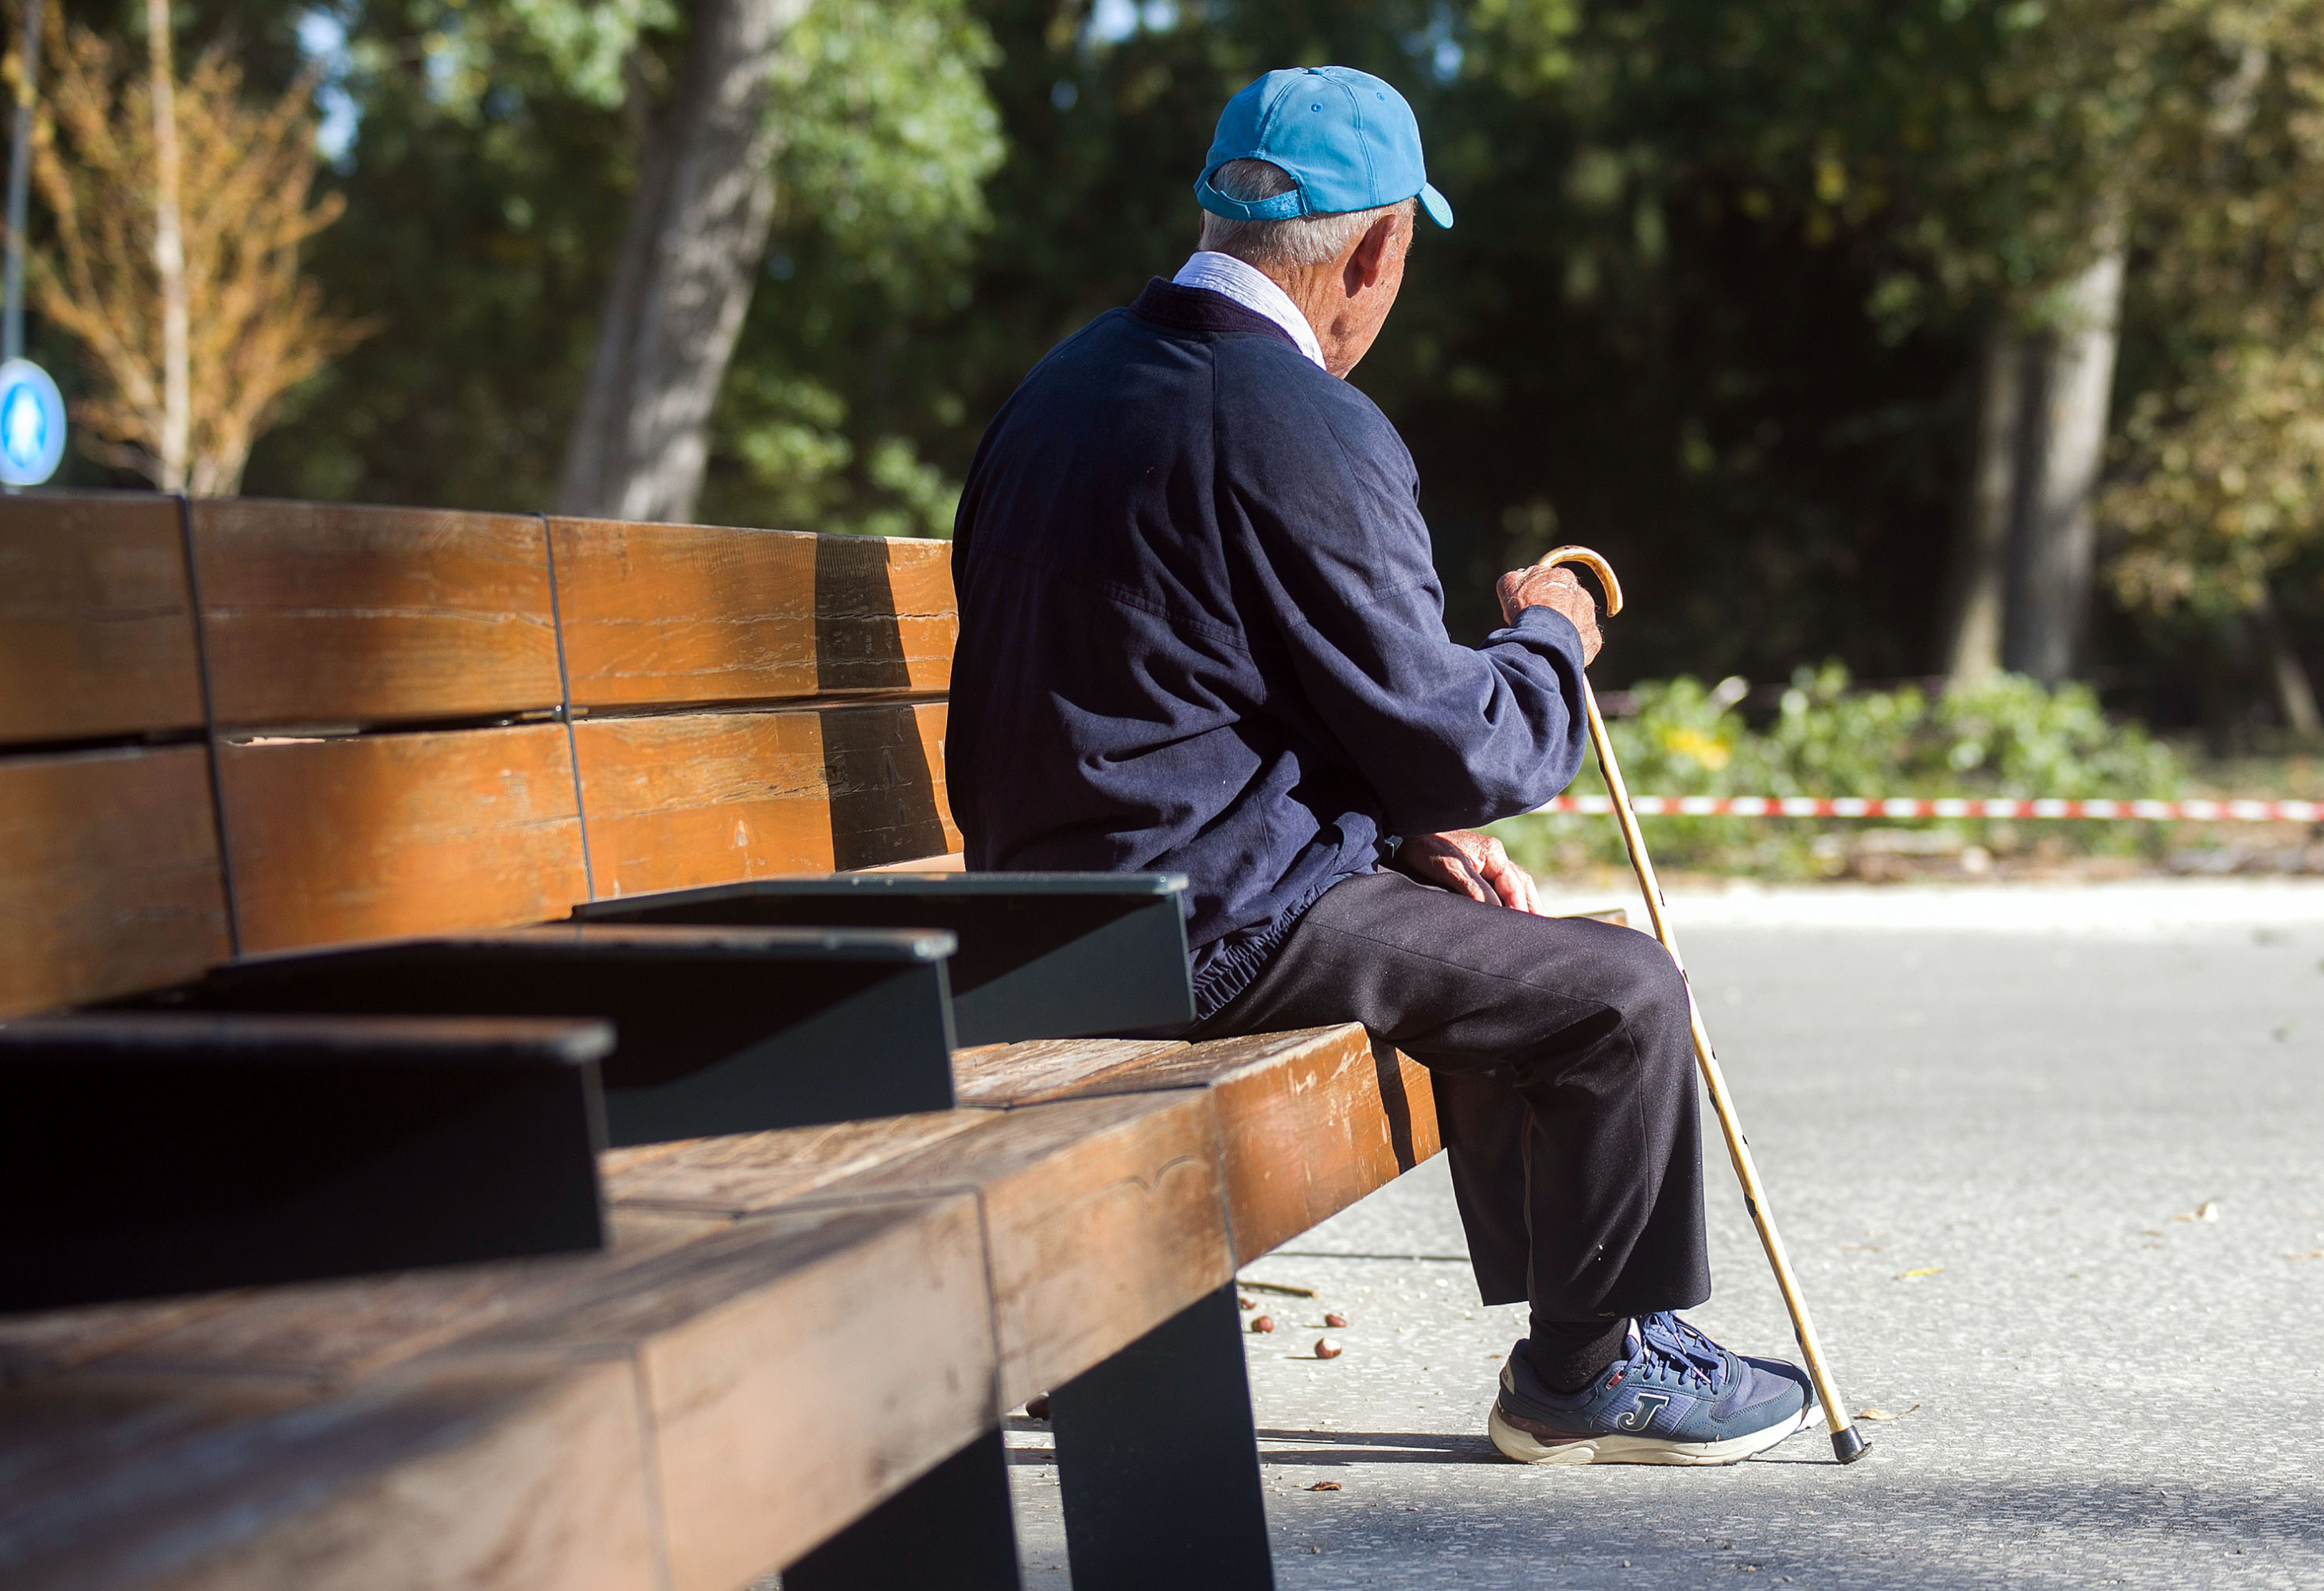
x=1325, y=1348
x=1324, y=1486
x=1336, y=1322
x=1245, y=1301
x=1262, y=1323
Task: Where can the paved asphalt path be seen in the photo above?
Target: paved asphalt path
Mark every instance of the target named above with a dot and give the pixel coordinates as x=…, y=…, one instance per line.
x=1984, y=1129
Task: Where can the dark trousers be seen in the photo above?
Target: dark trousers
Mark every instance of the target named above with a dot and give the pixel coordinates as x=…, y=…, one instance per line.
x=1564, y=1074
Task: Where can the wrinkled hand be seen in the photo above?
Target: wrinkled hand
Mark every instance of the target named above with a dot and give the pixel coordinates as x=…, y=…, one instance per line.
x=1474, y=864
x=1555, y=589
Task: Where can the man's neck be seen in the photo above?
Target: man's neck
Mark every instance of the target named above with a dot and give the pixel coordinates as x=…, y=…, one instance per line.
x=1255, y=289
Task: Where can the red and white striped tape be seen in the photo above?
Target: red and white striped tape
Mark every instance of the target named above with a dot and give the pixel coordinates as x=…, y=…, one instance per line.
x=1908, y=806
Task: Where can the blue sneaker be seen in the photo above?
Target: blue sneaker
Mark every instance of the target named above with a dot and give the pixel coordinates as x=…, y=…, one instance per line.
x=1676, y=1398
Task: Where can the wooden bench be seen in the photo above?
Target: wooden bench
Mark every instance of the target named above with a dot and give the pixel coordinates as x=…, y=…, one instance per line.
x=229, y=729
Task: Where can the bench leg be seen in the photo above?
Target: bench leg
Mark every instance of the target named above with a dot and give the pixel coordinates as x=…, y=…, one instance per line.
x=1158, y=1461
x=953, y=1527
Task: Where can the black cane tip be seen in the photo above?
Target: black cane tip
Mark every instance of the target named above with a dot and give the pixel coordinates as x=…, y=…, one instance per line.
x=1848, y=1446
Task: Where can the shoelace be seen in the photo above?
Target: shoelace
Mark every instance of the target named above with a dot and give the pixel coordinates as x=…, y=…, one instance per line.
x=1688, y=1356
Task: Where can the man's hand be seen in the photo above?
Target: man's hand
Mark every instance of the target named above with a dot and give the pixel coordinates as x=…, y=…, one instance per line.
x=1555, y=589
x=1474, y=864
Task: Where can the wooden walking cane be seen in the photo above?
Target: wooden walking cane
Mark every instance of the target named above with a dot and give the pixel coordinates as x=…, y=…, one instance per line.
x=1846, y=1445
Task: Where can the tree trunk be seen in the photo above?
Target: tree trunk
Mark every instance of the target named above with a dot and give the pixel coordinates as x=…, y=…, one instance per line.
x=689, y=258
x=2054, y=553
x=2295, y=696
x=1977, y=584
x=168, y=258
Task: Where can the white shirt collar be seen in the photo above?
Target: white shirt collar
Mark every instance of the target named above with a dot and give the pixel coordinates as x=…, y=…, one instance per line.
x=1252, y=288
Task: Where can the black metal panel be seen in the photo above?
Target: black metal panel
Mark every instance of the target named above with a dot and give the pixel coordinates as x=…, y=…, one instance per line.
x=1042, y=955
x=1157, y=1462
x=954, y=1527
x=721, y=1031
x=141, y=1155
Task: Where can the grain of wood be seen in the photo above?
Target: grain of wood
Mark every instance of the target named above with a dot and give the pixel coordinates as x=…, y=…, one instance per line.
x=330, y=1333
x=97, y=631
x=703, y=798
x=886, y=616
x=54, y=1340
x=326, y=613
x=885, y=767
x=798, y=1368
x=109, y=877
x=749, y=1173
x=371, y=836
x=504, y=1476
x=666, y=615
x=1040, y=1070
x=1102, y=1219
x=1311, y=1121
x=658, y=615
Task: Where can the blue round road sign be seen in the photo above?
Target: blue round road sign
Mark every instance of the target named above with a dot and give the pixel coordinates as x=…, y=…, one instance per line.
x=32, y=424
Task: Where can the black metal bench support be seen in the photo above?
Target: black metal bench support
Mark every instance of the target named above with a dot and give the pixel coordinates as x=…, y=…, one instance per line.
x=953, y=1527
x=1158, y=1461
x=721, y=1030
x=145, y=1155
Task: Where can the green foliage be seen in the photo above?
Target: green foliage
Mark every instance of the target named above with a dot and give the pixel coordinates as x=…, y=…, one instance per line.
x=2006, y=736
x=1721, y=268
x=890, y=138
x=2218, y=492
x=488, y=184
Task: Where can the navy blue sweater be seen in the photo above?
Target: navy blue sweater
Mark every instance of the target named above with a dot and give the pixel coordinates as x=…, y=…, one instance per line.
x=1201, y=633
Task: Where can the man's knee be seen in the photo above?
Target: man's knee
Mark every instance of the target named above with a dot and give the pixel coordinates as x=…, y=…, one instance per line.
x=1639, y=977
x=1638, y=981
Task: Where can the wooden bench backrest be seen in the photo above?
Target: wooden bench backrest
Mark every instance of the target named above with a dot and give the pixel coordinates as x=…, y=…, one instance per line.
x=238, y=726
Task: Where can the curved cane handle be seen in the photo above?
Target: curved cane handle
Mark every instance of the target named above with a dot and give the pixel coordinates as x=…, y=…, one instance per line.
x=1595, y=564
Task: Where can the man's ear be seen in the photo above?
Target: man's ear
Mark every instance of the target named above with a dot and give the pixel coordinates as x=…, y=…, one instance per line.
x=1368, y=258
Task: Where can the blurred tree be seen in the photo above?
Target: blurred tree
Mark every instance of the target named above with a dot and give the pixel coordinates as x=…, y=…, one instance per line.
x=682, y=281
x=2221, y=493
x=496, y=151
x=1729, y=279
x=178, y=212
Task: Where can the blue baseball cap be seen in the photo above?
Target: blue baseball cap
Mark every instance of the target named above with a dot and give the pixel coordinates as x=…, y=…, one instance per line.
x=1347, y=139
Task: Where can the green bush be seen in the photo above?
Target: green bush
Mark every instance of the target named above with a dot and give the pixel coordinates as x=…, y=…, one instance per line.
x=2008, y=737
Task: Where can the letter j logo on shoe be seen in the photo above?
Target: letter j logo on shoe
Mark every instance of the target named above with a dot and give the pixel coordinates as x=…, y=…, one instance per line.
x=1642, y=1413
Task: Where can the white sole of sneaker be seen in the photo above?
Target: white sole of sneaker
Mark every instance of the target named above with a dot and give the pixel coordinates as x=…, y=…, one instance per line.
x=1632, y=1450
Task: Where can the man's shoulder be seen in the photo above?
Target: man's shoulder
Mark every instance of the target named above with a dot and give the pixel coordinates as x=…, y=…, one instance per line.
x=1279, y=396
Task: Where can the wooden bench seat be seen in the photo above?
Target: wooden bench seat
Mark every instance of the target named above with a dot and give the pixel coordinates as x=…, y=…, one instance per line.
x=231, y=728
x=795, y=1326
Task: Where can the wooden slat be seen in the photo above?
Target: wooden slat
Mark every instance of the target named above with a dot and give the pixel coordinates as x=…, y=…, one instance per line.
x=751, y=1173
x=703, y=798
x=667, y=615
x=886, y=615
x=885, y=768
x=1311, y=1121
x=109, y=877
x=97, y=634
x=719, y=797
x=505, y=1477
x=1102, y=1217
x=336, y=1332
x=695, y=1407
x=321, y=613
x=372, y=836
x=797, y=1370
x=1040, y=1070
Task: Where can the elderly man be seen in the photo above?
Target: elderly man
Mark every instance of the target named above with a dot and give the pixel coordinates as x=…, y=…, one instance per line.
x=1201, y=633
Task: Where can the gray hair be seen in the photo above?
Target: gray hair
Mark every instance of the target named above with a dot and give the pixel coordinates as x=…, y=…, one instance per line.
x=1299, y=239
